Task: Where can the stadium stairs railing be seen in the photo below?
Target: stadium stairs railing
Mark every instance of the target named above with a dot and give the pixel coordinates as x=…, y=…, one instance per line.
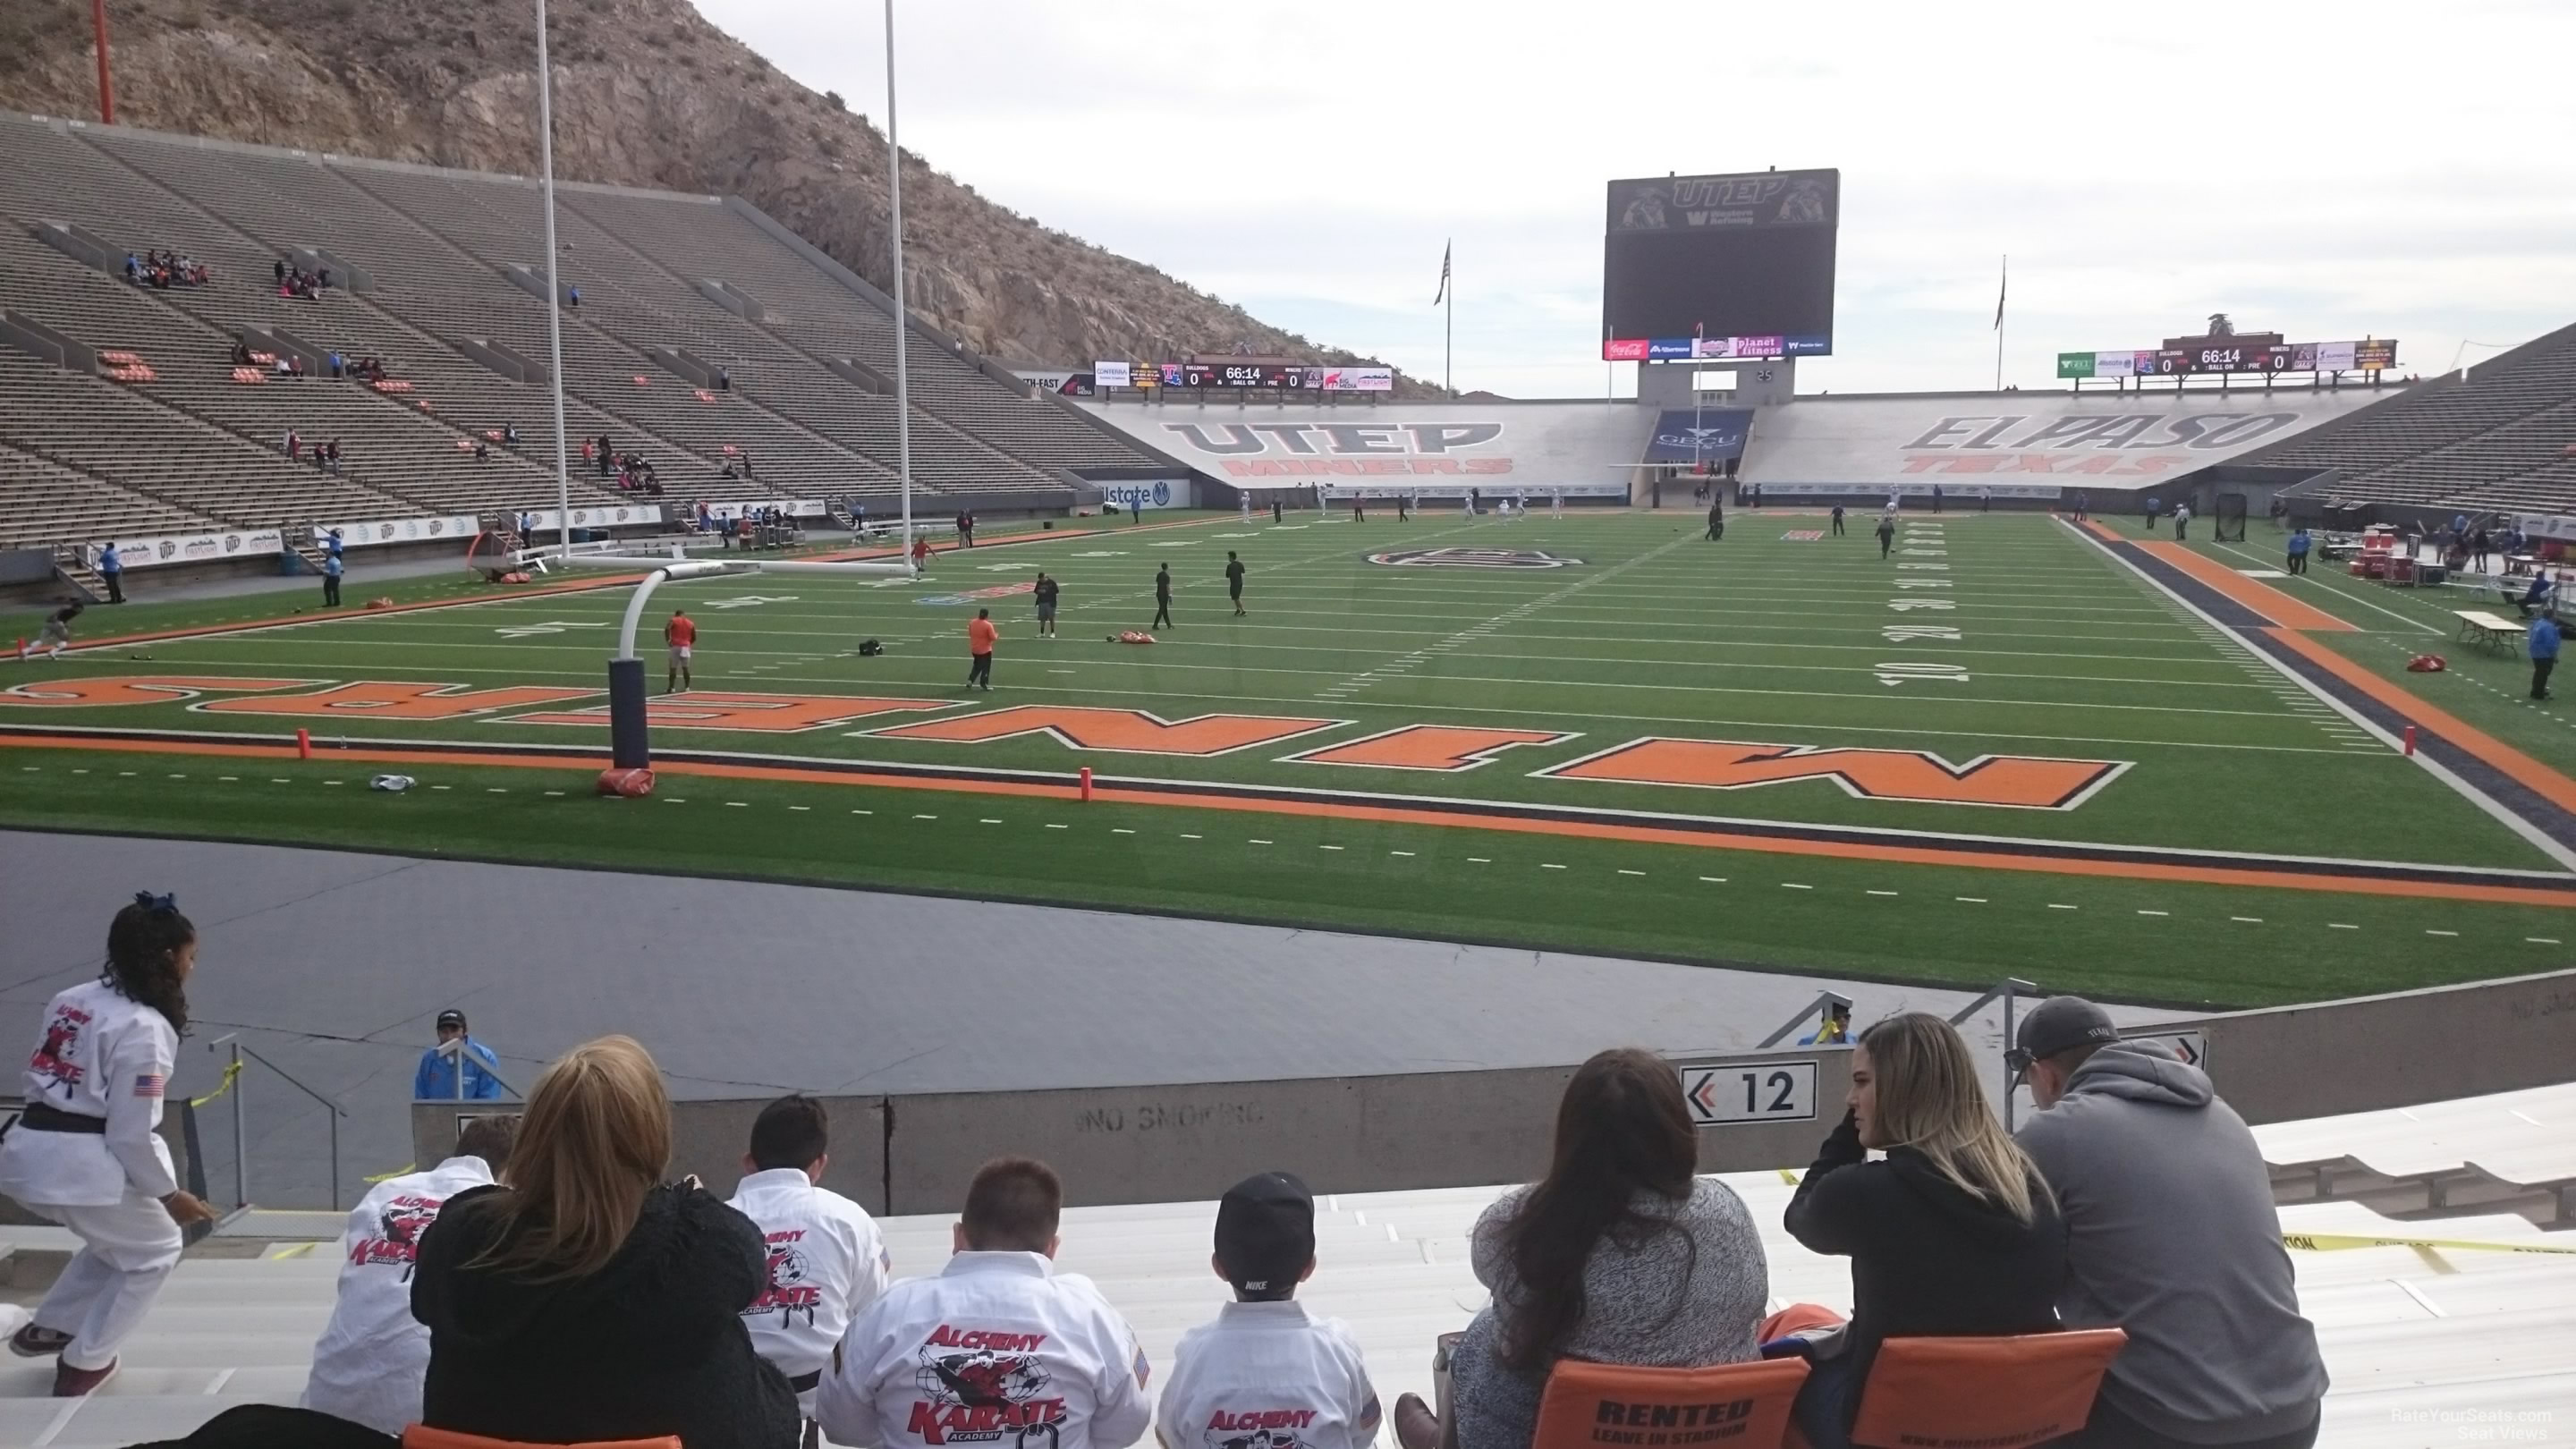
x=232, y=1083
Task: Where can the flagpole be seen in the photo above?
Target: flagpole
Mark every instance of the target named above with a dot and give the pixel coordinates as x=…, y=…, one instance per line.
x=2002, y=278
x=1448, y=333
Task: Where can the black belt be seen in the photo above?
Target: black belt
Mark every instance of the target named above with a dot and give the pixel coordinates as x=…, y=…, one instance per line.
x=805, y=1383
x=38, y=1117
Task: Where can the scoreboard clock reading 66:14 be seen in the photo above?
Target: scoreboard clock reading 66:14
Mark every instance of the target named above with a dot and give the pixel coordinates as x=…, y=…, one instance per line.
x=1232, y=374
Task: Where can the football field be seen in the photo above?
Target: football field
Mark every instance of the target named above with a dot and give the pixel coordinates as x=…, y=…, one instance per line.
x=2003, y=749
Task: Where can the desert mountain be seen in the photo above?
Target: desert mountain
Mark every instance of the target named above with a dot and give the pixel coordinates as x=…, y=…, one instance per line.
x=647, y=93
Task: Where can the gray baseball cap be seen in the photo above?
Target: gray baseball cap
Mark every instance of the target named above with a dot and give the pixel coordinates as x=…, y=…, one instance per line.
x=2061, y=1023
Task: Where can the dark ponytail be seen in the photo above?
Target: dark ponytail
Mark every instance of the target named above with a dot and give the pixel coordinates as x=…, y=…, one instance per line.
x=140, y=944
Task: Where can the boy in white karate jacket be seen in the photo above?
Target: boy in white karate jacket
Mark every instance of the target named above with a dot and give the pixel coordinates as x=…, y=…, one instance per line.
x=1266, y=1371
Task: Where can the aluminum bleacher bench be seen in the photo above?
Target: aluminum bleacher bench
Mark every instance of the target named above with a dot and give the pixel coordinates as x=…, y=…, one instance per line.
x=2477, y=626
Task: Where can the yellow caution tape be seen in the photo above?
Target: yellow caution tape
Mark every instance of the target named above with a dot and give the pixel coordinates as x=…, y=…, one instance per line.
x=390, y=1176
x=2339, y=1242
x=230, y=1072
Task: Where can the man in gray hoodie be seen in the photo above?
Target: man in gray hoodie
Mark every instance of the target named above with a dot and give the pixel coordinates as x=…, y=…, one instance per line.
x=2171, y=1235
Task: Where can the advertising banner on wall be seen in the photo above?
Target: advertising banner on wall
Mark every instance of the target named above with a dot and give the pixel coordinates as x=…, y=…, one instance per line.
x=1351, y=379
x=1153, y=493
x=189, y=548
x=458, y=526
x=1688, y=436
x=1112, y=374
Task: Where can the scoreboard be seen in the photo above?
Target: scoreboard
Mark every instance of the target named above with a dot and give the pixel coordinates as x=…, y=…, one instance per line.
x=2227, y=355
x=1233, y=374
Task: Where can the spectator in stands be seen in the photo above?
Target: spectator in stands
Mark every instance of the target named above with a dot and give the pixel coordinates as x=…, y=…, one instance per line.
x=582, y=1300
x=482, y=450
x=826, y=1259
x=369, y=1362
x=2171, y=1235
x=133, y=269
x=572, y=298
x=435, y=1079
x=1953, y=1234
x=335, y=457
x=339, y=367
x=84, y=1153
x=284, y=367
x=724, y=378
x=2543, y=648
x=1264, y=1343
x=241, y=353
x=1620, y=1255
x=111, y=572
x=1000, y=1287
x=294, y=444
x=509, y=435
x=280, y=269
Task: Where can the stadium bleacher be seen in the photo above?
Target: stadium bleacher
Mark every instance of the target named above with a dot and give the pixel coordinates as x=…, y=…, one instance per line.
x=2493, y=439
x=2408, y=1332
x=185, y=437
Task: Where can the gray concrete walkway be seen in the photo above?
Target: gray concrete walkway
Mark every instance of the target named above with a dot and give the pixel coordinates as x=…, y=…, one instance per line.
x=334, y=965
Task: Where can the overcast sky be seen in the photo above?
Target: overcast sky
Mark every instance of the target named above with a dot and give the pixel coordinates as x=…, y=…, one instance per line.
x=2328, y=172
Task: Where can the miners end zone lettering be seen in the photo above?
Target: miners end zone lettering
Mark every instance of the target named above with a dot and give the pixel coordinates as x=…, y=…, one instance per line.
x=2021, y=782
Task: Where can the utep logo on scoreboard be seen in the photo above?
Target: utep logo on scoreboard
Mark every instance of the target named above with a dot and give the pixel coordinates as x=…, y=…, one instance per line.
x=1157, y=494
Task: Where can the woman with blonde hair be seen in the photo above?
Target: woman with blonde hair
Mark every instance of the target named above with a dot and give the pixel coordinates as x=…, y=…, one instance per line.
x=581, y=1298
x=1953, y=1234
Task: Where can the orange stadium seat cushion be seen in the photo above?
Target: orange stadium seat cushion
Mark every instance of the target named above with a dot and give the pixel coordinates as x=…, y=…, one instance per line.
x=1728, y=1406
x=1996, y=1393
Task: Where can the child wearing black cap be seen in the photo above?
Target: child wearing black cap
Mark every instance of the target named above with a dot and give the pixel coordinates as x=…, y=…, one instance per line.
x=1265, y=1372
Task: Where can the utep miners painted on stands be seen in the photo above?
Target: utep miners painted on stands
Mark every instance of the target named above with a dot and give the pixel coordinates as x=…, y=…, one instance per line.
x=977, y=1386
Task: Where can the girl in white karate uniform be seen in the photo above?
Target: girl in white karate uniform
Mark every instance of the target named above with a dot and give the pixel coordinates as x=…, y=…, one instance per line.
x=85, y=1153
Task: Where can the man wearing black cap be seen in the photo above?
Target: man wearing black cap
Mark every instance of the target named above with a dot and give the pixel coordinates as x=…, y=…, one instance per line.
x=1265, y=1371
x=2171, y=1235
x=436, y=1079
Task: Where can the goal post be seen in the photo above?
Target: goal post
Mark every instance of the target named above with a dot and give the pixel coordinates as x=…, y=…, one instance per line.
x=630, y=749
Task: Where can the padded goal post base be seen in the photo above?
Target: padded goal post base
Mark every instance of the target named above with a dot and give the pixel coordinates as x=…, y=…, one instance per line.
x=633, y=784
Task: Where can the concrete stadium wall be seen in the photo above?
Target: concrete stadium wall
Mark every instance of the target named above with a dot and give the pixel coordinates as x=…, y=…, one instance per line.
x=915, y=1154
x=2370, y=1053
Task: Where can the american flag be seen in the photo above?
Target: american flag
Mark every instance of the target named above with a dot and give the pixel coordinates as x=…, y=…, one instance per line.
x=1444, y=274
x=151, y=1084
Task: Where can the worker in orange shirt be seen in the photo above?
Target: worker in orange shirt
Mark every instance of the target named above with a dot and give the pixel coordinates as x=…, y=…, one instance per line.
x=682, y=635
x=980, y=634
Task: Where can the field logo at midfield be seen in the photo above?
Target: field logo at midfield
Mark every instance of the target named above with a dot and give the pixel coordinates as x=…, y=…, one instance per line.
x=2021, y=782
x=1471, y=558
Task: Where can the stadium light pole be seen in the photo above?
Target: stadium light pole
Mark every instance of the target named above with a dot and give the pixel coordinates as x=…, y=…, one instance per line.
x=554, y=283
x=106, y=90
x=902, y=315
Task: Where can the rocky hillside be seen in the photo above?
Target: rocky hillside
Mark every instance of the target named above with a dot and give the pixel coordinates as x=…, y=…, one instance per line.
x=647, y=93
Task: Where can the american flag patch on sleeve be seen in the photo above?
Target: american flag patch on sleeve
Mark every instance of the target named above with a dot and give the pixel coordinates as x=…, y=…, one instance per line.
x=150, y=1085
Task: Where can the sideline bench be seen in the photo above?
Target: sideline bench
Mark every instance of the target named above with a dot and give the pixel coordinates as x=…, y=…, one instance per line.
x=2477, y=626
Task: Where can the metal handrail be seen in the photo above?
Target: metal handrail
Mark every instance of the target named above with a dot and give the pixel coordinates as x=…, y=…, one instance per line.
x=241, y=1134
x=1824, y=1002
x=2009, y=990
x=454, y=1051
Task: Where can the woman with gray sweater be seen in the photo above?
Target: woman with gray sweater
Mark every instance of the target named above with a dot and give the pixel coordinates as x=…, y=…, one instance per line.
x=1620, y=1256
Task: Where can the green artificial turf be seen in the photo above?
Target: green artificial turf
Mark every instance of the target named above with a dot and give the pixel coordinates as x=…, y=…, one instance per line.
x=1761, y=638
